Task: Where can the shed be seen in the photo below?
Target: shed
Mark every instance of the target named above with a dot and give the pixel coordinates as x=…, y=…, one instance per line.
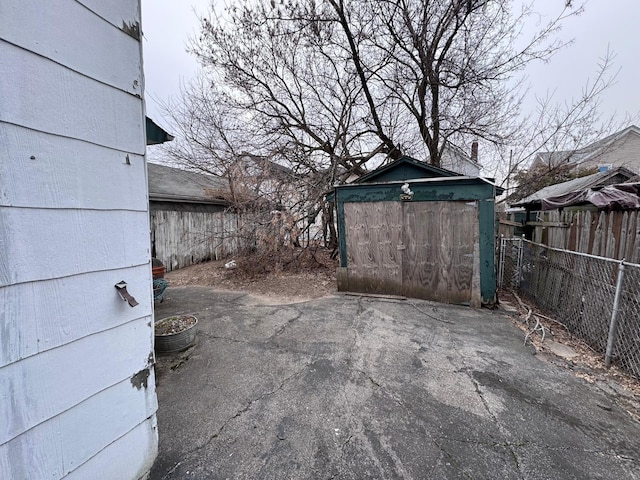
x=595, y=214
x=433, y=240
x=190, y=217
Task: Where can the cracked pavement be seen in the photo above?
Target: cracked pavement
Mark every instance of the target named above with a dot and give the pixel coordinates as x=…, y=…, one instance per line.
x=349, y=387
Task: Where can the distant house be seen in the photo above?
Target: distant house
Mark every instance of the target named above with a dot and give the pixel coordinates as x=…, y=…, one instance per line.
x=256, y=176
x=596, y=214
x=77, y=388
x=454, y=159
x=190, y=218
x=621, y=149
x=404, y=168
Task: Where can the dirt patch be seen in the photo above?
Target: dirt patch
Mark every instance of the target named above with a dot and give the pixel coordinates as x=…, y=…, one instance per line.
x=297, y=276
x=585, y=362
x=175, y=324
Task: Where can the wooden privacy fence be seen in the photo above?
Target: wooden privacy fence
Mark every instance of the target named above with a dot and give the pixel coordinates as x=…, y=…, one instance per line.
x=612, y=234
x=180, y=237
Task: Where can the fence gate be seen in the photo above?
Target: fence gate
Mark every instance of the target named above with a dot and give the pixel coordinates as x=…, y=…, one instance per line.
x=419, y=249
x=510, y=262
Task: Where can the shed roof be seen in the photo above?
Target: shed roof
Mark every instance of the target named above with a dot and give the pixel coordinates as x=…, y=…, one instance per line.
x=616, y=175
x=175, y=185
x=622, y=196
x=405, y=168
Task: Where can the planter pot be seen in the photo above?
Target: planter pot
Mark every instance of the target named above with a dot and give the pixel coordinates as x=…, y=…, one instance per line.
x=175, y=333
x=157, y=269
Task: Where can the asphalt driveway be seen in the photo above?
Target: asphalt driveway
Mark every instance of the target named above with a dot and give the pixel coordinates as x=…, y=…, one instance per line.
x=350, y=387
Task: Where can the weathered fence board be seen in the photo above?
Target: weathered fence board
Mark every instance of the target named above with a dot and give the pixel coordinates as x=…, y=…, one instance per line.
x=608, y=234
x=181, y=238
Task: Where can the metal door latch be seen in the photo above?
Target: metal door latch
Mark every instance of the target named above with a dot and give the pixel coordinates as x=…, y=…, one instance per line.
x=124, y=295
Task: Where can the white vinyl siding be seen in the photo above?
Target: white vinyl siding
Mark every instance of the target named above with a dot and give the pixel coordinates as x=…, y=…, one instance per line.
x=73, y=223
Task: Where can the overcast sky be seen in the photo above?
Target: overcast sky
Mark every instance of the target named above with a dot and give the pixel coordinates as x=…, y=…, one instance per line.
x=614, y=24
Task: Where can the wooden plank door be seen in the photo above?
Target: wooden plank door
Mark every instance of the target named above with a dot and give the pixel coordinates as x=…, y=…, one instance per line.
x=374, y=232
x=438, y=260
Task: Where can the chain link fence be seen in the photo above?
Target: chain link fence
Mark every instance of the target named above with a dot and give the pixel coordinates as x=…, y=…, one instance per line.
x=596, y=298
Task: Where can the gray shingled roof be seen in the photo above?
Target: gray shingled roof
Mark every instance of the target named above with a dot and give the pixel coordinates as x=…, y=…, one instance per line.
x=176, y=185
x=600, y=178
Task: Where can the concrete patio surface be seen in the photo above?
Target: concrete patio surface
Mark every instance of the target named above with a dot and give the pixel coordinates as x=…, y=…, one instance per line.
x=348, y=387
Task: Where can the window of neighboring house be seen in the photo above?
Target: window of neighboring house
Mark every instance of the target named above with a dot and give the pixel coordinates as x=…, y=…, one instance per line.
x=605, y=167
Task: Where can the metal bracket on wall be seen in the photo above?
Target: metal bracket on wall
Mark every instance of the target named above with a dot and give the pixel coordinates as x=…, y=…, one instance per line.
x=121, y=287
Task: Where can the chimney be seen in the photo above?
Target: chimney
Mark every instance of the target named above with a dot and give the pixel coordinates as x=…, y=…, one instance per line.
x=474, y=151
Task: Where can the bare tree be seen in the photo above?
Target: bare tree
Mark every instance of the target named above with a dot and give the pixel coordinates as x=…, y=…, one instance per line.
x=343, y=77
x=322, y=87
x=558, y=130
x=277, y=204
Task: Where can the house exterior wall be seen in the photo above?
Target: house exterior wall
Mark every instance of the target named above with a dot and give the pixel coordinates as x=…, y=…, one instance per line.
x=77, y=389
x=624, y=152
x=456, y=163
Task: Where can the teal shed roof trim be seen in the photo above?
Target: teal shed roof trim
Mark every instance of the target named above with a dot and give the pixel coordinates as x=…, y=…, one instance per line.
x=155, y=133
x=405, y=168
x=425, y=189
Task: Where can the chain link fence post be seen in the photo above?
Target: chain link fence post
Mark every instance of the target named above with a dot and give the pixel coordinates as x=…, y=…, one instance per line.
x=613, y=326
x=501, y=261
x=517, y=274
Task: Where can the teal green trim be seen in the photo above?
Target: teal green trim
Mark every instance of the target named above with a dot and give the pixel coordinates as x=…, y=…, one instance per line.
x=405, y=168
x=458, y=189
x=342, y=237
x=156, y=134
x=487, y=251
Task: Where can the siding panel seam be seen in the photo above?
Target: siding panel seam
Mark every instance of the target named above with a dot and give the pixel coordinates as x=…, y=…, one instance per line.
x=75, y=405
x=97, y=332
x=69, y=137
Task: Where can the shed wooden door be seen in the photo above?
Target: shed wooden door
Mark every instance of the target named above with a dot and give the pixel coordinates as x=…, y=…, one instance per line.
x=439, y=239
x=373, y=232
x=418, y=249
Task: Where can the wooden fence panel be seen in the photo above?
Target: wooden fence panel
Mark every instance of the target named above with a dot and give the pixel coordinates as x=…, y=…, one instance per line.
x=607, y=234
x=183, y=238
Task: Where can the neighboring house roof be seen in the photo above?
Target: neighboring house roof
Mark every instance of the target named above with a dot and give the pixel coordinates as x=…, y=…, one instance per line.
x=264, y=166
x=175, y=185
x=610, y=177
x=585, y=154
x=404, y=168
x=623, y=196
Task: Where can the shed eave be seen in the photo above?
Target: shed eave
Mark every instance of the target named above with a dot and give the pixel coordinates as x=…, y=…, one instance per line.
x=180, y=199
x=443, y=180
